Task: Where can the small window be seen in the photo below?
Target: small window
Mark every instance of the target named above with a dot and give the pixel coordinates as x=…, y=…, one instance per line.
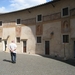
x=39, y=18
x=0, y=23
x=0, y=39
x=18, y=21
x=38, y=39
x=18, y=39
x=65, y=38
x=65, y=12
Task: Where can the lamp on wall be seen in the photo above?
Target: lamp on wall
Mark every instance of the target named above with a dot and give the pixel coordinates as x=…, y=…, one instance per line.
x=53, y=5
x=29, y=11
x=52, y=33
x=8, y=36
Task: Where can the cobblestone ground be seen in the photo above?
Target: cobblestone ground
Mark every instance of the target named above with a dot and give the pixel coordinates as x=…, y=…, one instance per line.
x=33, y=65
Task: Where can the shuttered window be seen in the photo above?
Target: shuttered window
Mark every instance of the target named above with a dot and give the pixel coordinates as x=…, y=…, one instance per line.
x=65, y=38
x=38, y=39
x=18, y=21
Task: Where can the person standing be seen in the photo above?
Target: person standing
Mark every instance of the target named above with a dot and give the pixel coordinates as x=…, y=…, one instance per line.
x=12, y=48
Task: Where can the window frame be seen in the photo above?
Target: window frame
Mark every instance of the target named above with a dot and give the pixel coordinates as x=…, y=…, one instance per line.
x=65, y=38
x=37, y=17
x=18, y=38
x=62, y=12
x=19, y=21
x=1, y=23
x=0, y=39
x=39, y=41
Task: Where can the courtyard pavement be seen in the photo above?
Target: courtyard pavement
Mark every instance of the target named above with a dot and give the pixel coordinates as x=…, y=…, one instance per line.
x=35, y=65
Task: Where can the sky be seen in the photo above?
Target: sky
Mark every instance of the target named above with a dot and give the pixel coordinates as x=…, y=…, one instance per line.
x=14, y=5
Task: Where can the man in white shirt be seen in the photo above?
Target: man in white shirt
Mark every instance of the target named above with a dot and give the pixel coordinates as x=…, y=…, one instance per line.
x=12, y=48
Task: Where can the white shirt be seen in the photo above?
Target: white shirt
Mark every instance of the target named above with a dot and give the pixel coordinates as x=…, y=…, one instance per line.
x=13, y=47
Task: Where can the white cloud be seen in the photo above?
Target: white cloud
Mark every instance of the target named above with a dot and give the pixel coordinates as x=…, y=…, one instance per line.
x=22, y=4
x=2, y=9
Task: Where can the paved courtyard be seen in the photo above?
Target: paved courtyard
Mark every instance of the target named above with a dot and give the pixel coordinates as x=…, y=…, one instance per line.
x=34, y=65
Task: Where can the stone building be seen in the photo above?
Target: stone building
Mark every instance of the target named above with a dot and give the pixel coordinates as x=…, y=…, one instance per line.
x=47, y=29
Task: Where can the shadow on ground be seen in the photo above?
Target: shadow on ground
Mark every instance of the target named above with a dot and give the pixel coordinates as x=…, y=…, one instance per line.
x=68, y=61
x=6, y=60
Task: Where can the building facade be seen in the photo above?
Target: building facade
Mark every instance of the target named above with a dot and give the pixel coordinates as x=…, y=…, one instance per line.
x=47, y=29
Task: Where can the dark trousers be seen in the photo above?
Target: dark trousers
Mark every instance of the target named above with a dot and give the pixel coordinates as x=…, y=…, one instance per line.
x=13, y=57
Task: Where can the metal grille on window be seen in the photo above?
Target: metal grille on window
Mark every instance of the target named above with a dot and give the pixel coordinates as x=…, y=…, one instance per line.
x=18, y=39
x=38, y=39
x=65, y=38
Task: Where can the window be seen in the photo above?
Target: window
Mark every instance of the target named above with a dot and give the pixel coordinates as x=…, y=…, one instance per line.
x=18, y=39
x=18, y=21
x=0, y=23
x=65, y=12
x=39, y=18
x=38, y=39
x=65, y=38
x=0, y=39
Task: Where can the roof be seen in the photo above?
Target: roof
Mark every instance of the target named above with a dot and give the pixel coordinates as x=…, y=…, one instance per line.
x=51, y=2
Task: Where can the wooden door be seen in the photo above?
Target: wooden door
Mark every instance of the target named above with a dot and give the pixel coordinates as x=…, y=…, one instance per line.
x=74, y=49
x=47, y=50
x=5, y=42
x=24, y=46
